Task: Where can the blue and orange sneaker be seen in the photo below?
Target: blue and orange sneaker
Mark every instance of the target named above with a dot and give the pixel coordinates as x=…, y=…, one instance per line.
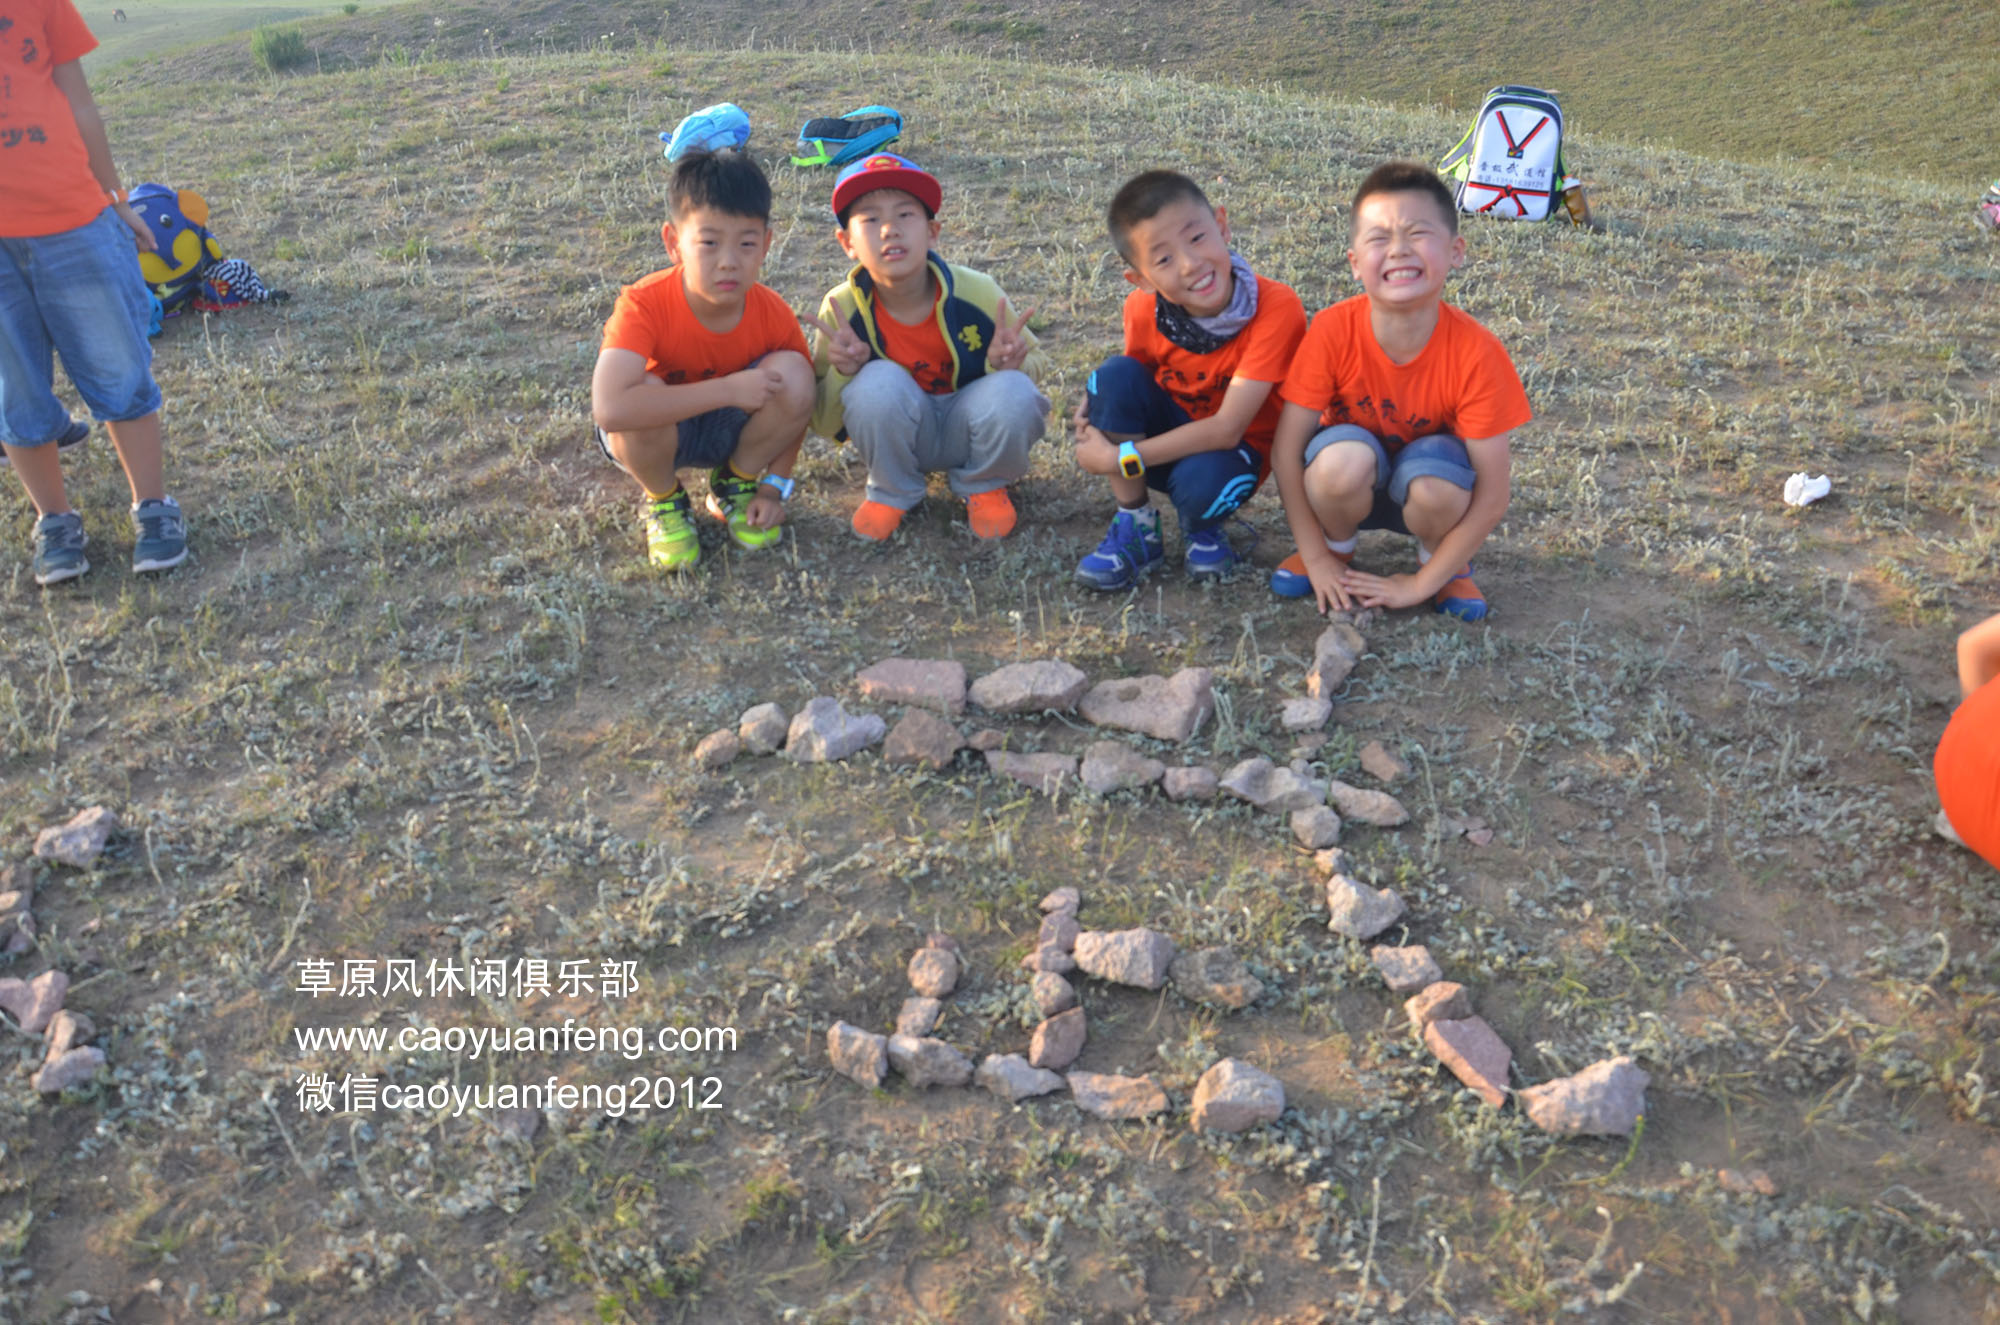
x=1461, y=598
x=1290, y=579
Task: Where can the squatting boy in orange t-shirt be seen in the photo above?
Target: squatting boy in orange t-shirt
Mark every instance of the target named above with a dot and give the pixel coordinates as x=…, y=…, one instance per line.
x=1397, y=410
x=702, y=366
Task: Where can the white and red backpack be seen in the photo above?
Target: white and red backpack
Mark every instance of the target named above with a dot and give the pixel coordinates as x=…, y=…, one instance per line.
x=1509, y=163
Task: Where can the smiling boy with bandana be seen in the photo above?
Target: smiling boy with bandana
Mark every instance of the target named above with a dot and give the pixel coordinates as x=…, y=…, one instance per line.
x=1190, y=406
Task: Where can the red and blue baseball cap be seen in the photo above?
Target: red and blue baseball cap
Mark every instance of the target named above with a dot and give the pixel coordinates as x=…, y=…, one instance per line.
x=886, y=170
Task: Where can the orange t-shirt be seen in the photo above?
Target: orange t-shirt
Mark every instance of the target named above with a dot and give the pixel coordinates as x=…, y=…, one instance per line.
x=919, y=347
x=1259, y=353
x=45, y=182
x=1461, y=382
x=652, y=318
x=1967, y=769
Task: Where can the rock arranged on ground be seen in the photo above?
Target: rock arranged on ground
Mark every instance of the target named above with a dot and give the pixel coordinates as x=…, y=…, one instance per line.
x=1049, y=959
x=1061, y=899
x=1358, y=911
x=1059, y=928
x=1215, y=976
x=1052, y=993
x=1405, y=970
x=1605, y=1099
x=17, y=922
x=1474, y=1053
x=1116, y=1097
x=34, y=1003
x=1369, y=807
x=987, y=738
x=1030, y=687
x=1305, y=715
x=1137, y=957
x=1309, y=745
x=1335, y=654
x=64, y=1063
x=1110, y=766
x=1046, y=773
x=918, y=1016
x=1743, y=1184
x=934, y=971
x=68, y=1071
x=1316, y=826
x=860, y=1056
x=922, y=739
x=1058, y=1040
x=932, y=683
x=80, y=841
x=1164, y=708
x=718, y=749
x=928, y=1062
x=1443, y=1001
x=1233, y=1096
x=1193, y=783
x=763, y=729
x=1013, y=1078
x=1268, y=787
x=1382, y=764
x=823, y=732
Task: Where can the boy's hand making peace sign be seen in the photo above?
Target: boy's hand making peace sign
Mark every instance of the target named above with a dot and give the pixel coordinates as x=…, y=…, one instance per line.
x=846, y=351
x=1010, y=347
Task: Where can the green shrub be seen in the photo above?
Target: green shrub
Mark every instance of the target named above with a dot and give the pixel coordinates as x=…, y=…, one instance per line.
x=279, y=48
x=350, y=8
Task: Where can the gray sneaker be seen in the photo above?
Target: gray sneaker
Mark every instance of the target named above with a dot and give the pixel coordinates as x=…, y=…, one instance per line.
x=162, y=541
x=59, y=541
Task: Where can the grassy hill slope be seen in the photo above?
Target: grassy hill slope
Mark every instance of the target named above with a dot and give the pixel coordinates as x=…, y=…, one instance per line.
x=417, y=697
x=1884, y=87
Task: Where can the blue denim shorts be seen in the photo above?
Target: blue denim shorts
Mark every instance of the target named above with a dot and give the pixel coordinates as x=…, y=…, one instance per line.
x=704, y=441
x=1439, y=455
x=78, y=294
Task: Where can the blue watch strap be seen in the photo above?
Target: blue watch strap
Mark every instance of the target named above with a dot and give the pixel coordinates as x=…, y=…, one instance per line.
x=782, y=485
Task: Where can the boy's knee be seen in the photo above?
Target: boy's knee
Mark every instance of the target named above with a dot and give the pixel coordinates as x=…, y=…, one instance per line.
x=1009, y=401
x=1437, y=497
x=795, y=376
x=1117, y=376
x=882, y=394
x=1345, y=469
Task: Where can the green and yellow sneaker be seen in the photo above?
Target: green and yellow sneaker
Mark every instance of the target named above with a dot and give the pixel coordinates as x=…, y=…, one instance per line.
x=729, y=498
x=671, y=543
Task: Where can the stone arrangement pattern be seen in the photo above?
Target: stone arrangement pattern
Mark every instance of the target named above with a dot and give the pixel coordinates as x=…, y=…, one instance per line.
x=1606, y=1098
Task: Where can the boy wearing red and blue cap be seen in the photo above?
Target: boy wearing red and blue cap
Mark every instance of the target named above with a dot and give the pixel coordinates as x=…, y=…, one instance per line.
x=921, y=363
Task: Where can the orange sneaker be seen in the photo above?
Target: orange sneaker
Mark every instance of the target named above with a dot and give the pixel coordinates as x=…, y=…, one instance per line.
x=991, y=514
x=875, y=522
x=1461, y=598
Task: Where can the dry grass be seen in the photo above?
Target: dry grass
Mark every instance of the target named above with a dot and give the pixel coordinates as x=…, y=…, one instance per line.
x=419, y=697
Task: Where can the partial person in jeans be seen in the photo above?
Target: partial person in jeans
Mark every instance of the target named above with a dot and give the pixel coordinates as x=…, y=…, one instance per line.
x=70, y=286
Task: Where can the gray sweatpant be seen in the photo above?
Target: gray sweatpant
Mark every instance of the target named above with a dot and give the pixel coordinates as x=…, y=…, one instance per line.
x=978, y=436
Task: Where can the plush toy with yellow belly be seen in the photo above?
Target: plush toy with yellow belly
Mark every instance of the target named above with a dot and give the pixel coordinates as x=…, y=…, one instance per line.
x=179, y=222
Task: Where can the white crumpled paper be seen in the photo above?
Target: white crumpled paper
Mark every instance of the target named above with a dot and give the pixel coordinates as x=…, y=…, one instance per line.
x=1803, y=491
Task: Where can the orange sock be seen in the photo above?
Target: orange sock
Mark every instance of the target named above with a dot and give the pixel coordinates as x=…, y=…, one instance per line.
x=875, y=522
x=991, y=514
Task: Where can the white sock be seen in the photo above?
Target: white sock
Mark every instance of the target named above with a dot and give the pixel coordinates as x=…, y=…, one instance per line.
x=1344, y=546
x=1145, y=515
